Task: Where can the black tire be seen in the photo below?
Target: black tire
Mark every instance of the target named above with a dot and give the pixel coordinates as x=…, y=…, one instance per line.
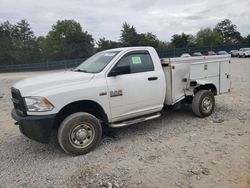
x=79, y=133
x=244, y=56
x=203, y=103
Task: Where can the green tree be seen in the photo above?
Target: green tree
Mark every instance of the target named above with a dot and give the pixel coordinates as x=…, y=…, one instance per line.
x=129, y=36
x=67, y=40
x=148, y=39
x=228, y=31
x=164, y=44
x=18, y=44
x=104, y=44
x=208, y=37
x=41, y=44
x=246, y=39
x=25, y=43
x=182, y=41
x=6, y=43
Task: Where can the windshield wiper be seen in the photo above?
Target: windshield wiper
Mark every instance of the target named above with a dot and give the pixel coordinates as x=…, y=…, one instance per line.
x=80, y=70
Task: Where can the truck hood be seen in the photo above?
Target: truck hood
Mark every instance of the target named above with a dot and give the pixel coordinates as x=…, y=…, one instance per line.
x=35, y=85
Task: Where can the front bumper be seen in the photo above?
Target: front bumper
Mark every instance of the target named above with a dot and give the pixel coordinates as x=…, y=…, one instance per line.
x=37, y=128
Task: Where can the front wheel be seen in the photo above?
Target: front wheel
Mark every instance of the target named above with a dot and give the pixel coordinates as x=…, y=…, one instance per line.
x=79, y=133
x=203, y=103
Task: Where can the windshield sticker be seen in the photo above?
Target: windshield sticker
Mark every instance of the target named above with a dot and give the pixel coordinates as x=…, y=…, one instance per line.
x=136, y=60
x=109, y=54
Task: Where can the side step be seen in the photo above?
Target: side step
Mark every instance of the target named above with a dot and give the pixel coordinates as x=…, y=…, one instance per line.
x=133, y=121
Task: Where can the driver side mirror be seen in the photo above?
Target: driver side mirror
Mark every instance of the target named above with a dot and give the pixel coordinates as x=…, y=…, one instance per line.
x=119, y=71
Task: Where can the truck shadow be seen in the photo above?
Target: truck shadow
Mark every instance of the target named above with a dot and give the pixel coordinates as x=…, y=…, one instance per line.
x=168, y=115
x=178, y=117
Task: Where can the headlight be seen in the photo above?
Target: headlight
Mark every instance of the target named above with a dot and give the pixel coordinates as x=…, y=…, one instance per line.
x=38, y=104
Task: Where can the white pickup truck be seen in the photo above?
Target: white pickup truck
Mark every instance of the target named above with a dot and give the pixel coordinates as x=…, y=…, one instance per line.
x=244, y=52
x=115, y=88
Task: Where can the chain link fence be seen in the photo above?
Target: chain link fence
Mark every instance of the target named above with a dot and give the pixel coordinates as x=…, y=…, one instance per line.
x=176, y=52
x=67, y=64
x=50, y=65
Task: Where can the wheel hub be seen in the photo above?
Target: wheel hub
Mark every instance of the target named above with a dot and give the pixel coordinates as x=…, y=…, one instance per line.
x=207, y=104
x=82, y=135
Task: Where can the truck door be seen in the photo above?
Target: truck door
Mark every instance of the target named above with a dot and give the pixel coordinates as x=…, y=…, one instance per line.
x=225, y=82
x=136, y=89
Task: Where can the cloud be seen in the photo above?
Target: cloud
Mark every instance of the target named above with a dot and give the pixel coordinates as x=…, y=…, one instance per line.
x=104, y=18
x=194, y=17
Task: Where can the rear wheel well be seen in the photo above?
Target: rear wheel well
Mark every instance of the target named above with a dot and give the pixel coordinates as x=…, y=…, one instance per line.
x=88, y=106
x=209, y=87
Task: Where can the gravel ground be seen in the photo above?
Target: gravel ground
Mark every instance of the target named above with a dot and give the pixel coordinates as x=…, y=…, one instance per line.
x=176, y=150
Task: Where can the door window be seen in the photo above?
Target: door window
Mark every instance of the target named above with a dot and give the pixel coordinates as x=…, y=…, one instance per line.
x=138, y=62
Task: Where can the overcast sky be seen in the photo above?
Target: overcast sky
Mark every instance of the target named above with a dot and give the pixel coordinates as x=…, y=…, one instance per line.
x=104, y=18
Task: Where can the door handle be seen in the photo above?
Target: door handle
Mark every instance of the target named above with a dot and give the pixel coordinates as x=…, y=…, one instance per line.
x=152, y=78
x=205, y=67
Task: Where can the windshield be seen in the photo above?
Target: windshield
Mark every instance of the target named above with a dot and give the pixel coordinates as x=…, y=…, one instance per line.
x=97, y=62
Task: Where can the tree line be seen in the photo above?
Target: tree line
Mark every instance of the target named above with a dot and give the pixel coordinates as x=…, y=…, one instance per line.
x=67, y=40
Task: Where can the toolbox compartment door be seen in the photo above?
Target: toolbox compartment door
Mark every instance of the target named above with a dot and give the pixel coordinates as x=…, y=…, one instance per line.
x=180, y=76
x=225, y=82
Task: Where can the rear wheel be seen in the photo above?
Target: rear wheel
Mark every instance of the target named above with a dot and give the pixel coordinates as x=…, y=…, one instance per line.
x=79, y=133
x=203, y=103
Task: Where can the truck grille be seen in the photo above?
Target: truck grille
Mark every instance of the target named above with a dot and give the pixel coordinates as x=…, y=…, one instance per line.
x=18, y=102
